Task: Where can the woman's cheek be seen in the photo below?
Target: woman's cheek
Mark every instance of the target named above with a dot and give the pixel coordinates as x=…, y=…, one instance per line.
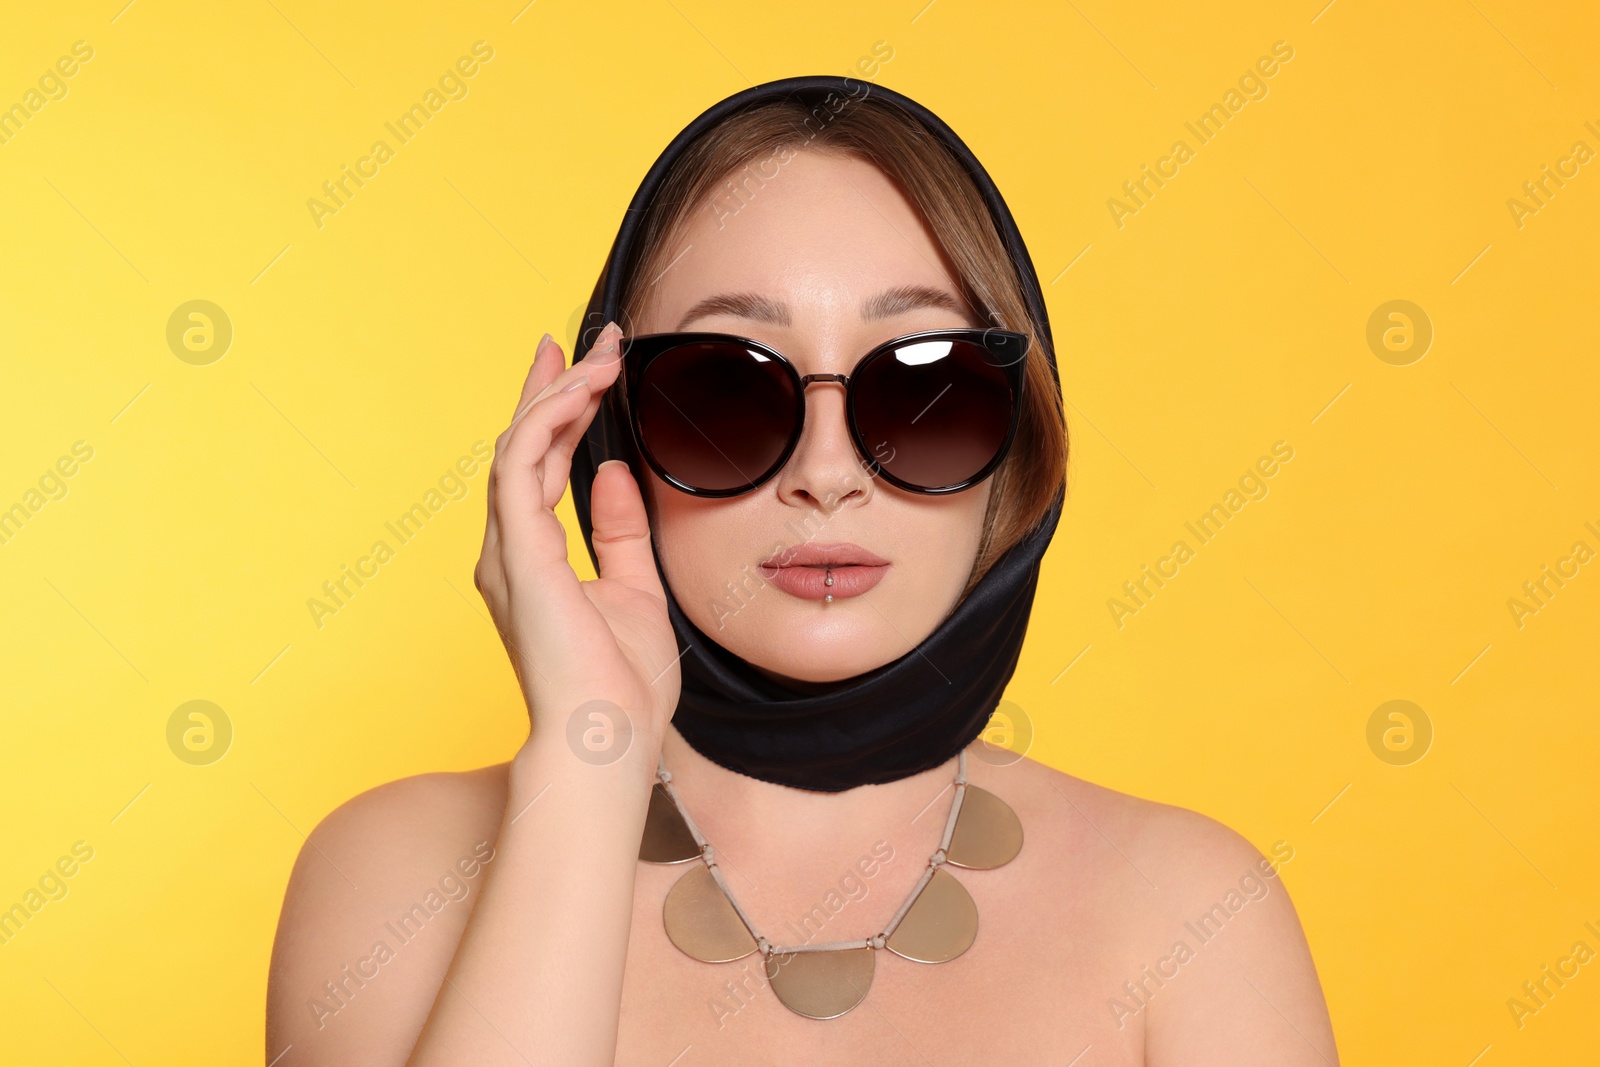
x=701, y=552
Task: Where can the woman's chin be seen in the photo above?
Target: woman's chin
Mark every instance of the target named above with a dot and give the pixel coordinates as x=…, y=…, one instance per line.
x=815, y=676
x=810, y=642
x=810, y=652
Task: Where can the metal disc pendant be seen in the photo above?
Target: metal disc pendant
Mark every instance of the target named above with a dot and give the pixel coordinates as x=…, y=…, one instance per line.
x=821, y=985
x=701, y=921
x=940, y=925
x=666, y=836
x=988, y=833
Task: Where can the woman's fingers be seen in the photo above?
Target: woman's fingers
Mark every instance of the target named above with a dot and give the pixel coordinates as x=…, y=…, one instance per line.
x=547, y=363
x=589, y=638
x=545, y=378
x=520, y=493
x=622, y=529
x=558, y=465
x=533, y=456
x=601, y=366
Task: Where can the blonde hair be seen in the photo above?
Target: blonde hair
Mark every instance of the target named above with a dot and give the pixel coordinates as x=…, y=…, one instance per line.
x=736, y=152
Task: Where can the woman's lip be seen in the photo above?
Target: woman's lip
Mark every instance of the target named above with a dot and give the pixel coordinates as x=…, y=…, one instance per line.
x=831, y=554
x=811, y=582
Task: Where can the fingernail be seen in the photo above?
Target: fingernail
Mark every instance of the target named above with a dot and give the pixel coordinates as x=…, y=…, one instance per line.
x=542, y=342
x=577, y=382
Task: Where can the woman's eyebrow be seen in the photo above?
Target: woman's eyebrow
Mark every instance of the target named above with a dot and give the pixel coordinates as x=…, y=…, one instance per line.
x=740, y=305
x=904, y=298
x=884, y=305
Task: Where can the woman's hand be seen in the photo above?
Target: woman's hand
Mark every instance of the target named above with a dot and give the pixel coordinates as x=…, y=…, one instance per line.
x=573, y=642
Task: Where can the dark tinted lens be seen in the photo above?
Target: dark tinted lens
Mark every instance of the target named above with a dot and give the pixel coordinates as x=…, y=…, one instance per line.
x=715, y=416
x=933, y=413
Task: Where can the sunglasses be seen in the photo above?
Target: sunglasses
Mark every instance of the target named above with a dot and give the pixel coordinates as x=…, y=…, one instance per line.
x=716, y=415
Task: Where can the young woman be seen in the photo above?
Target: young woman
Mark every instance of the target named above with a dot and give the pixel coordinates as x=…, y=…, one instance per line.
x=745, y=827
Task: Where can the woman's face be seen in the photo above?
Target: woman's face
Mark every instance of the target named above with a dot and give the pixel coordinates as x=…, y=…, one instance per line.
x=815, y=257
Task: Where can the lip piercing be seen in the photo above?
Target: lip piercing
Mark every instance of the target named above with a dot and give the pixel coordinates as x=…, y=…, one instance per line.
x=827, y=579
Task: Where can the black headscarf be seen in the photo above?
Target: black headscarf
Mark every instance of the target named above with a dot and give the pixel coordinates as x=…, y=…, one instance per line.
x=910, y=715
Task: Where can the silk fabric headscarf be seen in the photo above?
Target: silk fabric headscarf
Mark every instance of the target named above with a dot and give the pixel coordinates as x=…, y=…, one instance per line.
x=908, y=716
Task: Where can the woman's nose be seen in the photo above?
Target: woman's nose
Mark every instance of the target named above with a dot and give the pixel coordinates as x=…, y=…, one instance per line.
x=825, y=471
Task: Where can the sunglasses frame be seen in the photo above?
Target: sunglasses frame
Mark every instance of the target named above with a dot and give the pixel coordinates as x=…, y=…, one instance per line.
x=1006, y=349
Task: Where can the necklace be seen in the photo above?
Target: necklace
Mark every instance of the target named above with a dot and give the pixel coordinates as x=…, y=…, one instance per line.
x=937, y=922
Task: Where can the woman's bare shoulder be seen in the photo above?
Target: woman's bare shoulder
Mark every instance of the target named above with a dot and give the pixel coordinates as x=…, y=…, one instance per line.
x=374, y=907
x=1180, y=843
x=417, y=810
x=374, y=845
x=1202, y=900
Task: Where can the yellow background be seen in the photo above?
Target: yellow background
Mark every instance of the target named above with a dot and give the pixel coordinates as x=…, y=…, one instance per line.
x=1229, y=313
